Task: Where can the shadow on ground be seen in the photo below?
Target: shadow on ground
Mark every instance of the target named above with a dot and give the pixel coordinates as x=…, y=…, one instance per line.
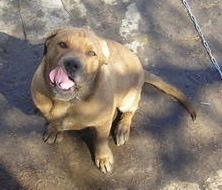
x=164, y=143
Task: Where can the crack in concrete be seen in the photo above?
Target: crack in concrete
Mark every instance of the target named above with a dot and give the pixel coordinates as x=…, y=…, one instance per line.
x=64, y=7
x=22, y=21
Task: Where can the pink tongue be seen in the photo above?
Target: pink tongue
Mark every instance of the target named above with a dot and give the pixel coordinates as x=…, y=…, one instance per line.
x=61, y=79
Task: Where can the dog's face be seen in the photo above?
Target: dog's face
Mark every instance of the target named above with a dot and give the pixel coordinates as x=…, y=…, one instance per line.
x=73, y=60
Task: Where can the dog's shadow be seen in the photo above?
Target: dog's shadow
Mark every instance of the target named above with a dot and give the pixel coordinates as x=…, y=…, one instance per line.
x=18, y=61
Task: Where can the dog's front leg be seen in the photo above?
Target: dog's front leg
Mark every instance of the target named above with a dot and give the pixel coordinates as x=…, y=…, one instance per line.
x=103, y=154
x=52, y=134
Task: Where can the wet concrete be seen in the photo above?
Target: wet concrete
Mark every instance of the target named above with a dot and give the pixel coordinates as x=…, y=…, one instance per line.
x=166, y=150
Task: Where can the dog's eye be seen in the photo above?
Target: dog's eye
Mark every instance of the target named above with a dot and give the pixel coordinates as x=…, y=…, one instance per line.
x=91, y=53
x=62, y=45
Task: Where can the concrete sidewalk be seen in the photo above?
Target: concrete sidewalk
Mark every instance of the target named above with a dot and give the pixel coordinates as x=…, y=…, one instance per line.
x=166, y=150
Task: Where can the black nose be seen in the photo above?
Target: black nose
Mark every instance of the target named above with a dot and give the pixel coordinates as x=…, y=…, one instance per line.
x=72, y=65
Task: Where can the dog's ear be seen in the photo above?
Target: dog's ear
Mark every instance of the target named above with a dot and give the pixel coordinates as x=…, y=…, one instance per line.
x=105, y=51
x=52, y=35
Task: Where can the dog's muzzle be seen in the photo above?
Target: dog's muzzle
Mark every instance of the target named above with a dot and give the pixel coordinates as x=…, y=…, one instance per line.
x=64, y=76
x=72, y=66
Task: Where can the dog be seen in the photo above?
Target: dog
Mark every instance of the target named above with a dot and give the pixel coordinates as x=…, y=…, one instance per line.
x=83, y=80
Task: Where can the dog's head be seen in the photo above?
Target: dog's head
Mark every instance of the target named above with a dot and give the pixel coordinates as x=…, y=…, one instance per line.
x=73, y=59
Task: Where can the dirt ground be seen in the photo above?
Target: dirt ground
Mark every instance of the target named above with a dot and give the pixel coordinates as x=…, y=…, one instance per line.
x=166, y=150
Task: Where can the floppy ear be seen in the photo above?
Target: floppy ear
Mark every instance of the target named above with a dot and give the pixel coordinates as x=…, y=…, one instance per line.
x=105, y=51
x=52, y=35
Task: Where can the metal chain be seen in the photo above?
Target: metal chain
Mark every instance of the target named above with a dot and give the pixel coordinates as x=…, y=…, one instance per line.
x=200, y=33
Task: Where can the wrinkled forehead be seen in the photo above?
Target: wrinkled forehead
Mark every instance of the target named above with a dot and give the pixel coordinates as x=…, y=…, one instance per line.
x=76, y=38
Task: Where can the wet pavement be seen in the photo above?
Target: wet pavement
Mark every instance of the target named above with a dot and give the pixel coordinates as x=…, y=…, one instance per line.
x=166, y=150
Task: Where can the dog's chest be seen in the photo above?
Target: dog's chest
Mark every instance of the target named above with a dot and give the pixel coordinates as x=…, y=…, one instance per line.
x=58, y=110
x=81, y=115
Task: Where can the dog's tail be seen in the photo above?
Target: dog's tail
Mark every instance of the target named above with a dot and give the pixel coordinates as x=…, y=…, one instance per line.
x=170, y=90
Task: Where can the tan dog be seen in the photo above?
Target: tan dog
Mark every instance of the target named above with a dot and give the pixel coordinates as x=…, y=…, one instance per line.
x=83, y=80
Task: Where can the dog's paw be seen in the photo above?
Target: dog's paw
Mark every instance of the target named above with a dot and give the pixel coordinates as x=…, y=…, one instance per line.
x=121, y=134
x=52, y=135
x=104, y=161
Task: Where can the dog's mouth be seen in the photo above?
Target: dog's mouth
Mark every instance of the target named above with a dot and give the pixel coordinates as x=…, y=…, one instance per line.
x=60, y=79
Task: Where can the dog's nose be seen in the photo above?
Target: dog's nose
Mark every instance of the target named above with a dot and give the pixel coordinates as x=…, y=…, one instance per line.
x=72, y=65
